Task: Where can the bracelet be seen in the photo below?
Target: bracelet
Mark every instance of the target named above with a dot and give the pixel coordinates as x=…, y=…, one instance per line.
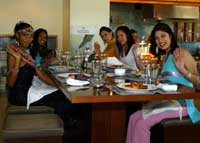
x=189, y=74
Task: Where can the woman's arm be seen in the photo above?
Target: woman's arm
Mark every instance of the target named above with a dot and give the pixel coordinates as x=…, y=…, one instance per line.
x=44, y=76
x=13, y=64
x=186, y=65
x=137, y=57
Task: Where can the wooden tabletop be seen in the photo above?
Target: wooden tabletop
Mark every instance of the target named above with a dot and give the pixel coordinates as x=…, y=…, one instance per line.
x=104, y=95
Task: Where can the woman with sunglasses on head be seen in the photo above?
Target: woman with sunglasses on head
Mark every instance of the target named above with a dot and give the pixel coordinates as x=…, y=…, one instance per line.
x=21, y=72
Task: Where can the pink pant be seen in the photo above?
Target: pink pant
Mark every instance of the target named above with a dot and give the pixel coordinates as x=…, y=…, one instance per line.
x=139, y=128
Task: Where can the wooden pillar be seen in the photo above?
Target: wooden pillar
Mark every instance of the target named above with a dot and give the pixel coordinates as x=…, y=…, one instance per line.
x=108, y=123
x=66, y=25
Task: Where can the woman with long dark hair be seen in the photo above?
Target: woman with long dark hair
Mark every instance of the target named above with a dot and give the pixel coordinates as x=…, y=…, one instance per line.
x=109, y=41
x=139, y=123
x=129, y=52
x=39, y=50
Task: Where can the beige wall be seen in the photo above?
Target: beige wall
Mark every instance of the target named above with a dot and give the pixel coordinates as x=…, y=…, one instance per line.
x=47, y=14
x=88, y=13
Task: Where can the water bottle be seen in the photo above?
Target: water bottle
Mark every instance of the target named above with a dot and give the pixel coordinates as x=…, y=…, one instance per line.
x=87, y=54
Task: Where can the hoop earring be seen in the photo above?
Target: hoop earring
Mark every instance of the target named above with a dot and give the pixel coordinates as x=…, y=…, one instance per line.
x=17, y=43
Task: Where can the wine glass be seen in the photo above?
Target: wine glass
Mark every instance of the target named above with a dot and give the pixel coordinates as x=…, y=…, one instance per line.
x=78, y=62
x=147, y=69
x=68, y=58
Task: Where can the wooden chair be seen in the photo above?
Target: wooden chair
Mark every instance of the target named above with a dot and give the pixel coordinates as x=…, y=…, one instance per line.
x=33, y=128
x=37, y=125
x=176, y=131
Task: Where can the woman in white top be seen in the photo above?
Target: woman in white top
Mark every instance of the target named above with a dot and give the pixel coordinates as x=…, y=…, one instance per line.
x=129, y=52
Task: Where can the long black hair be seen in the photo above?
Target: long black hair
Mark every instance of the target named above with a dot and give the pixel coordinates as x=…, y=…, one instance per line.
x=165, y=28
x=130, y=40
x=36, y=48
x=104, y=28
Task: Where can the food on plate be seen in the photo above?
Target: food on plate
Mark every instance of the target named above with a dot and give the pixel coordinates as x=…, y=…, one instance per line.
x=75, y=75
x=136, y=85
x=117, y=66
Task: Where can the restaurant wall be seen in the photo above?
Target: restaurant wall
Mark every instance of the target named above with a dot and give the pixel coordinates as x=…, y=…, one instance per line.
x=131, y=15
x=90, y=13
x=47, y=14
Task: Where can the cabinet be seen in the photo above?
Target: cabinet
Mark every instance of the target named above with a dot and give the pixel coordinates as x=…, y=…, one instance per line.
x=187, y=31
x=175, y=2
x=188, y=1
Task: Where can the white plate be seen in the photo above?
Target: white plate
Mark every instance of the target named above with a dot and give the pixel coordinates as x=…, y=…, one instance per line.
x=149, y=88
x=59, y=68
x=118, y=66
x=71, y=75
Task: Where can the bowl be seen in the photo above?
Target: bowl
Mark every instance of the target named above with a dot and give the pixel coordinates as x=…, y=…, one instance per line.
x=120, y=72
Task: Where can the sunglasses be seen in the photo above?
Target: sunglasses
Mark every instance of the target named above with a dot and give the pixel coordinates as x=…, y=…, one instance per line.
x=26, y=31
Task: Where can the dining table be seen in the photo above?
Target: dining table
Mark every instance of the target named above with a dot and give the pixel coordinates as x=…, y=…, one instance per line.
x=108, y=108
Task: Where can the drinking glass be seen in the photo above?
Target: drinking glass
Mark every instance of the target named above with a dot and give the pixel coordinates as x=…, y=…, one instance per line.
x=146, y=63
x=68, y=58
x=155, y=71
x=63, y=59
x=78, y=62
x=97, y=81
x=96, y=67
x=104, y=60
x=58, y=54
x=97, y=74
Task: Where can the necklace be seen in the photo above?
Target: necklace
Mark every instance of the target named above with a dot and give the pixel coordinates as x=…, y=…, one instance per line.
x=24, y=55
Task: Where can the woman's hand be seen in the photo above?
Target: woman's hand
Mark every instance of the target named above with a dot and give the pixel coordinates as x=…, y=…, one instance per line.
x=14, y=53
x=178, y=60
x=97, y=48
x=134, y=49
x=137, y=57
x=197, y=103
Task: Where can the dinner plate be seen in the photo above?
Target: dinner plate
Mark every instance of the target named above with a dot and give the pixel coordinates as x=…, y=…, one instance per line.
x=118, y=66
x=72, y=75
x=150, y=87
x=59, y=68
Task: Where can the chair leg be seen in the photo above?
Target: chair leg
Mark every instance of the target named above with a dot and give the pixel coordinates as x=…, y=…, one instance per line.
x=58, y=139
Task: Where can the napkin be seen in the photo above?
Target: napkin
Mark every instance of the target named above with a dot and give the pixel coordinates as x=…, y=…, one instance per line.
x=38, y=90
x=75, y=82
x=113, y=61
x=155, y=107
x=74, y=88
x=168, y=87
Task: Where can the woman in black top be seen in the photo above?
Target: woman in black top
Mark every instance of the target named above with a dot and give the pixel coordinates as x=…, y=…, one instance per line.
x=21, y=70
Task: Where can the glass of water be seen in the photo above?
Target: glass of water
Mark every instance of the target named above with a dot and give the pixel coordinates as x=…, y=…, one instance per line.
x=97, y=74
x=78, y=62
